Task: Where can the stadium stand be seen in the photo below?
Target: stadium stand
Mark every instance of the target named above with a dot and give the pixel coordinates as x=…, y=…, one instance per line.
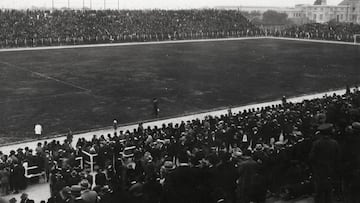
x=31, y=28
x=279, y=150
x=35, y=28
x=328, y=31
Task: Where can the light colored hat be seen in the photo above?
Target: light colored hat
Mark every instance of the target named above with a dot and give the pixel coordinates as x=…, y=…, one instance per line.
x=24, y=195
x=169, y=165
x=84, y=184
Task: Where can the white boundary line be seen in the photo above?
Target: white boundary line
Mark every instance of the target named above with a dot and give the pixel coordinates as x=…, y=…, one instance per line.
x=315, y=40
x=128, y=44
x=44, y=76
x=171, y=42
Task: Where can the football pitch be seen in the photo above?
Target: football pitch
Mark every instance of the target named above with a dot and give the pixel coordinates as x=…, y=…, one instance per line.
x=86, y=88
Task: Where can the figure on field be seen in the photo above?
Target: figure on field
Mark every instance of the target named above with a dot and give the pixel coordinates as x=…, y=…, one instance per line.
x=156, y=107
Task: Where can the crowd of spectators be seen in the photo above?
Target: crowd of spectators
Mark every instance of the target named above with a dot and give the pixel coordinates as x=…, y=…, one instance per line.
x=282, y=151
x=31, y=28
x=20, y=28
x=327, y=31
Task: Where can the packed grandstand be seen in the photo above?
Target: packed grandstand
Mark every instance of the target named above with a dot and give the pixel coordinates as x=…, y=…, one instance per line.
x=250, y=156
x=31, y=28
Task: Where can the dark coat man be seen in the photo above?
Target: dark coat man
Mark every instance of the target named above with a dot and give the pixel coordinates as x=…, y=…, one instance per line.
x=24, y=199
x=225, y=178
x=351, y=159
x=180, y=186
x=17, y=177
x=251, y=184
x=100, y=178
x=324, y=156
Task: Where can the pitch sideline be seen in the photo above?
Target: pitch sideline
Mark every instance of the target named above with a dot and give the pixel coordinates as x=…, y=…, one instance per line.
x=128, y=44
x=314, y=40
x=172, y=42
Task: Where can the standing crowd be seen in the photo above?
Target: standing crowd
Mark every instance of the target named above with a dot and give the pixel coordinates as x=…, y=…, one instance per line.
x=282, y=151
x=327, y=31
x=33, y=28
x=30, y=28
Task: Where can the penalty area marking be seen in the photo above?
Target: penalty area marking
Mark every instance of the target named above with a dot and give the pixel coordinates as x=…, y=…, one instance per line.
x=41, y=75
x=42, y=98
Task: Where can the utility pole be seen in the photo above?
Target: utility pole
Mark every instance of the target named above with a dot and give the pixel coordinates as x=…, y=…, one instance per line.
x=90, y=4
x=52, y=4
x=118, y=5
x=104, y=4
x=68, y=4
x=83, y=4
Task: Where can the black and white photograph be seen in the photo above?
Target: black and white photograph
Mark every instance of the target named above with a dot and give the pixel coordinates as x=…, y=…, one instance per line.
x=179, y=101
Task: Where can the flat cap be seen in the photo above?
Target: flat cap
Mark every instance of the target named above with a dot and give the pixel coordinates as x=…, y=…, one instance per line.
x=325, y=127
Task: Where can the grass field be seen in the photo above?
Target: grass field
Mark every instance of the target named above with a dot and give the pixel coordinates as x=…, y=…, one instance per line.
x=87, y=88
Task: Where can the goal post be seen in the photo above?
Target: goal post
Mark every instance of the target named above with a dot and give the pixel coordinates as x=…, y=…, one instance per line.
x=356, y=38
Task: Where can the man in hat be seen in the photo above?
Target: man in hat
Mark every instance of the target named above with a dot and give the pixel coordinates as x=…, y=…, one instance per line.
x=25, y=198
x=12, y=200
x=136, y=192
x=100, y=178
x=225, y=177
x=17, y=177
x=76, y=194
x=180, y=185
x=351, y=157
x=166, y=168
x=4, y=179
x=88, y=195
x=156, y=107
x=251, y=184
x=324, y=157
x=65, y=195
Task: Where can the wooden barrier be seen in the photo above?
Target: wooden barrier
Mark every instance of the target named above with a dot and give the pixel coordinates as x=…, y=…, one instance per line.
x=29, y=174
x=91, y=160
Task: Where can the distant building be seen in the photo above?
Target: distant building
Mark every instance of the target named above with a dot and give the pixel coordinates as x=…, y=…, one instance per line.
x=320, y=2
x=320, y=12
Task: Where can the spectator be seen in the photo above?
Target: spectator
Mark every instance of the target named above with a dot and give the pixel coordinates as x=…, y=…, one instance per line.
x=17, y=177
x=76, y=194
x=187, y=162
x=156, y=107
x=25, y=198
x=38, y=131
x=69, y=27
x=4, y=179
x=88, y=195
x=324, y=155
x=251, y=184
x=12, y=200
x=327, y=31
x=100, y=178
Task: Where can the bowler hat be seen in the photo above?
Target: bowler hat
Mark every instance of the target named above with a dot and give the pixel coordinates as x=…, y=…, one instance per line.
x=76, y=190
x=325, y=127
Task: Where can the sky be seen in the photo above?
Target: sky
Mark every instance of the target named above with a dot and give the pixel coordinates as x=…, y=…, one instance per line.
x=152, y=4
